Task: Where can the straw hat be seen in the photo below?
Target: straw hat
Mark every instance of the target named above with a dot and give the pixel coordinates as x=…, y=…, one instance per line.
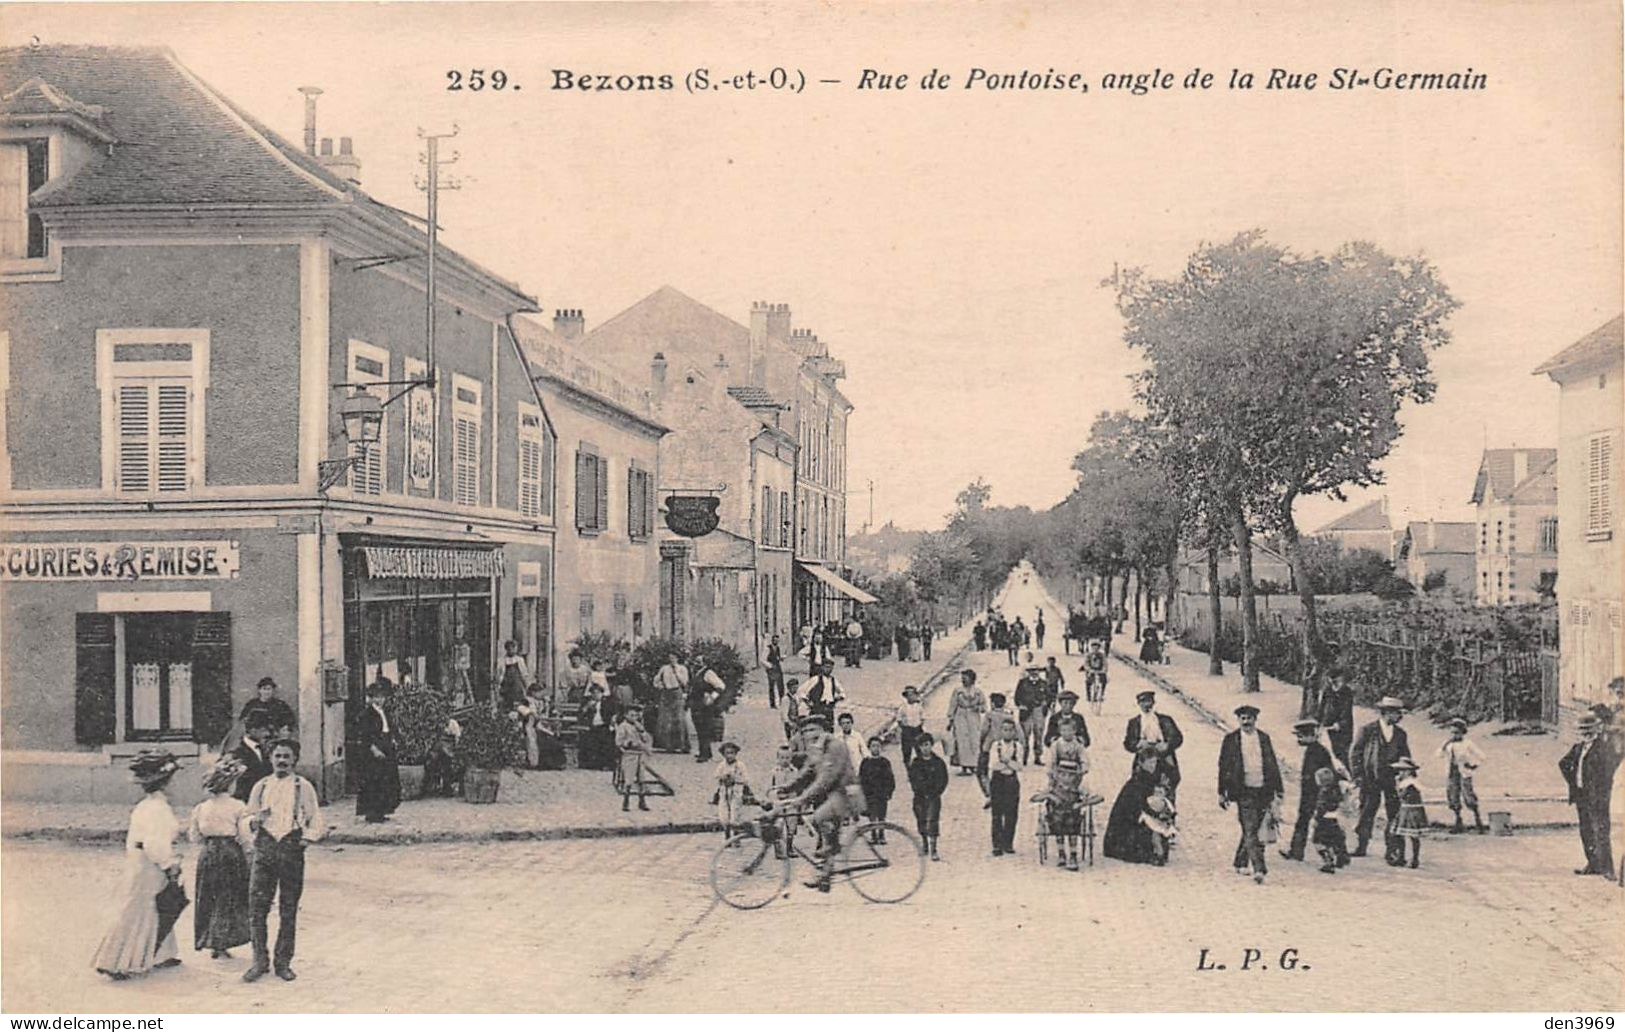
x=153, y=767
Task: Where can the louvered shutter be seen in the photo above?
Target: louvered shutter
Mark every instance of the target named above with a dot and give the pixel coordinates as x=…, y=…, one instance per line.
x=467, y=461
x=549, y=449
x=1599, y=486
x=174, y=436
x=94, y=709
x=584, y=491
x=135, y=438
x=648, y=504
x=530, y=473
x=634, y=522
x=602, y=514
x=211, y=678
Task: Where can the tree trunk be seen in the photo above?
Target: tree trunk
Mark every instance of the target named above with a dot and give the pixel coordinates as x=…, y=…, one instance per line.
x=1139, y=593
x=1249, y=605
x=1168, y=601
x=1314, y=674
x=1215, y=662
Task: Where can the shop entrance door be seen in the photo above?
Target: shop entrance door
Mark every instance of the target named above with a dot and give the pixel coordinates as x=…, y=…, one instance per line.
x=158, y=676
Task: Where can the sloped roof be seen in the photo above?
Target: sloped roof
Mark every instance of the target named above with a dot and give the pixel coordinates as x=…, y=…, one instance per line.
x=1537, y=488
x=667, y=320
x=1370, y=516
x=753, y=397
x=1447, y=537
x=1607, y=340
x=1498, y=468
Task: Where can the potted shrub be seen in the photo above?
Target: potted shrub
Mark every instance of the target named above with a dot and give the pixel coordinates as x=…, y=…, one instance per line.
x=418, y=716
x=488, y=745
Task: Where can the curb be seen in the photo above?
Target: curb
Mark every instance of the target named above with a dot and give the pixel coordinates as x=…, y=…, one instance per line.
x=1290, y=769
x=928, y=687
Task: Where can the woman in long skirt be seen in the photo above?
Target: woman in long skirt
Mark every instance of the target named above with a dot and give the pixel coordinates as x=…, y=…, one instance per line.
x=965, y=711
x=670, y=734
x=221, y=920
x=131, y=946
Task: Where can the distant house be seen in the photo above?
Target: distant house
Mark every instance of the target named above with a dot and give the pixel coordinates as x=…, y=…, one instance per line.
x=1366, y=527
x=1268, y=565
x=1590, y=373
x=1516, y=496
x=1429, y=547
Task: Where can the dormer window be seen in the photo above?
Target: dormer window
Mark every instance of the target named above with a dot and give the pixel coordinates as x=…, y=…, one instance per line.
x=24, y=167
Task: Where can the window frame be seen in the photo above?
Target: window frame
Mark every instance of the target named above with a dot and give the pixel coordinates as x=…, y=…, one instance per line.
x=536, y=434
x=48, y=266
x=194, y=370
x=640, y=524
x=598, y=517
x=461, y=409
x=378, y=455
x=1601, y=461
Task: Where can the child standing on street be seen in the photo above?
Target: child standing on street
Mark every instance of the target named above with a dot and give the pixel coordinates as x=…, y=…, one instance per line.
x=1330, y=842
x=1094, y=675
x=928, y=777
x=1412, y=819
x=1004, y=786
x=733, y=792
x=878, y=783
x=1464, y=758
x=221, y=920
x=634, y=745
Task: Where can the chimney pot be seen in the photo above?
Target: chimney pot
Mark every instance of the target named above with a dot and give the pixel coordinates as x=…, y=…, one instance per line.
x=327, y=147
x=311, y=93
x=344, y=145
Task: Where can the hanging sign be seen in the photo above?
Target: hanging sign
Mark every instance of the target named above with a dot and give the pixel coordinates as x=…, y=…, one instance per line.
x=692, y=515
x=119, y=560
x=420, y=411
x=433, y=563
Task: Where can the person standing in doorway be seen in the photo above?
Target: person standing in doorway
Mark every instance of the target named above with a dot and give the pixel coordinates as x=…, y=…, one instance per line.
x=1250, y=777
x=379, y=792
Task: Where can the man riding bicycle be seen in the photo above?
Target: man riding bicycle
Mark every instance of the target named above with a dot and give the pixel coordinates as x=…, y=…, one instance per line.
x=829, y=782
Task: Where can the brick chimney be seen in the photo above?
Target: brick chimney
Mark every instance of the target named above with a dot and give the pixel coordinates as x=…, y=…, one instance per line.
x=311, y=93
x=1520, y=467
x=569, y=325
x=778, y=323
x=657, y=376
x=343, y=164
x=758, y=343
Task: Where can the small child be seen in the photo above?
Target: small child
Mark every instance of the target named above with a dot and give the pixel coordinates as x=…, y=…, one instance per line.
x=928, y=777
x=733, y=791
x=1094, y=673
x=1330, y=842
x=221, y=920
x=1464, y=758
x=442, y=773
x=1158, y=816
x=792, y=708
x=877, y=782
x=1413, y=819
x=634, y=745
x=1065, y=797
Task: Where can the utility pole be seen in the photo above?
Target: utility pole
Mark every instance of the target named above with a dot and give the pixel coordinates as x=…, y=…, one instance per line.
x=432, y=185
x=870, y=525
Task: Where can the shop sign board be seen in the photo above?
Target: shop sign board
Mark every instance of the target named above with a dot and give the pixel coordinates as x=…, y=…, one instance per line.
x=433, y=563
x=119, y=560
x=692, y=515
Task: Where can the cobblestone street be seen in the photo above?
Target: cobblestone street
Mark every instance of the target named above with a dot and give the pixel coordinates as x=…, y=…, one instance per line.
x=630, y=924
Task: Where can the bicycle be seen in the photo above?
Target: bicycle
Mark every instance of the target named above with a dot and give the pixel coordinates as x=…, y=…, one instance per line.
x=881, y=861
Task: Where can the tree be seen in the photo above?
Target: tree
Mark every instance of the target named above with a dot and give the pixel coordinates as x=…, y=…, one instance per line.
x=1294, y=368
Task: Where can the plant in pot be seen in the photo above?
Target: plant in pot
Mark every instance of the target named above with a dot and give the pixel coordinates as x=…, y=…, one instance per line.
x=490, y=743
x=418, y=717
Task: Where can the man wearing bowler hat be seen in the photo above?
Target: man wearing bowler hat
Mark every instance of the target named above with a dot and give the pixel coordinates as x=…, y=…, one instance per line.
x=1250, y=777
x=1589, y=770
x=1377, y=747
x=1149, y=729
x=1316, y=757
x=1067, y=702
x=278, y=715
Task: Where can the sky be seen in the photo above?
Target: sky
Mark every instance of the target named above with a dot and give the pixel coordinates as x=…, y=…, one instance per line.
x=950, y=244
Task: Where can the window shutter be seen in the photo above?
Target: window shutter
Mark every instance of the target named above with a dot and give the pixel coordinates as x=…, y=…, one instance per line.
x=211, y=678
x=14, y=200
x=648, y=504
x=1599, y=486
x=135, y=437
x=174, y=436
x=634, y=523
x=94, y=709
x=530, y=473
x=601, y=516
x=584, y=491
x=549, y=451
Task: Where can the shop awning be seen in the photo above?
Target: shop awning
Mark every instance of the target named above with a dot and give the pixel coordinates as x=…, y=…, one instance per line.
x=839, y=583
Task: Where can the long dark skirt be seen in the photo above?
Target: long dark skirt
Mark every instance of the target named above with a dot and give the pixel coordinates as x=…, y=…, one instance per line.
x=1126, y=838
x=221, y=915
x=379, y=793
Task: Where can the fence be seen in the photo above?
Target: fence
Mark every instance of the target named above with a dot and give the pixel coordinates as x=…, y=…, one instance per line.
x=1477, y=673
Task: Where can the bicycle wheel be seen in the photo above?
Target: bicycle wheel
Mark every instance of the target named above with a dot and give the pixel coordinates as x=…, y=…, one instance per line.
x=746, y=872
x=884, y=862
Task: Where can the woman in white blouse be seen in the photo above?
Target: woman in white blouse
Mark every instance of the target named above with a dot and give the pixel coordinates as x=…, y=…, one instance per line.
x=132, y=947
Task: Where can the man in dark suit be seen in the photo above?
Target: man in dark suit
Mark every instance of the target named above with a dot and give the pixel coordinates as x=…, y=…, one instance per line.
x=1250, y=777
x=1589, y=770
x=1315, y=758
x=1337, y=715
x=379, y=776
x=254, y=751
x=1148, y=728
x=1379, y=744
x=277, y=714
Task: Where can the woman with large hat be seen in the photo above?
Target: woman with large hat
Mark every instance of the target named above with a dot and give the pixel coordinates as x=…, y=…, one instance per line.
x=133, y=946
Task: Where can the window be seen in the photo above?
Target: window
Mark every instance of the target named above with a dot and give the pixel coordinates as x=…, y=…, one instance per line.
x=784, y=519
x=585, y=609
x=719, y=584
x=1483, y=538
x=153, y=384
x=1500, y=536
x=24, y=168
x=1548, y=534
x=1600, y=487
x=467, y=413
x=592, y=491
x=620, y=615
x=369, y=364
x=640, y=503
x=766, y=516
x=535, y=464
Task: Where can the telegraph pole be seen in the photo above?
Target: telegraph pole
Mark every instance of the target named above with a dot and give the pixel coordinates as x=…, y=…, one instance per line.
x=432, y=185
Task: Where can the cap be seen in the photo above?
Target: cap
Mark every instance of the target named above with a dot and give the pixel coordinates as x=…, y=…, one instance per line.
x=1391, y=703
x=266, y=681
x=1068, y=695
x=1460, y=722
x=910, y=688
x=1147, y=694
x=1306, y=725
x=729, y=743
x=1246, y=708
x=815, y=720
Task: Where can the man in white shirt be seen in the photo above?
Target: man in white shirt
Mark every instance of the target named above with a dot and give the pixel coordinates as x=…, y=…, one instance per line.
x=854, y=643
x=285, y=815
x=910, y=722
x=823, y=692
x=1463, y=758
x=851, y=740
x=1250, y=777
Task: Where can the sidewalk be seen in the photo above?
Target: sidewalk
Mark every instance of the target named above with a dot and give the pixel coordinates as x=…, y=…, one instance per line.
x=1519, y=773
x=540, y=805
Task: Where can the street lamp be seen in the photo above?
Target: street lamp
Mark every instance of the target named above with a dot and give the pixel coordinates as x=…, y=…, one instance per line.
x=362, y=416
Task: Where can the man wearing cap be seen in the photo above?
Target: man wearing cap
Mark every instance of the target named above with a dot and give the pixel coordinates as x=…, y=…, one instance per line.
x=829, y=779
x=910, y=723
x=278, y=715
x=1068, y=703
x=1316, y=757
x=1250, y=777
x=1337, y=715
x=1032, y=706
x=1589, y=770
x=1157, y=732
x=1379, y=744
